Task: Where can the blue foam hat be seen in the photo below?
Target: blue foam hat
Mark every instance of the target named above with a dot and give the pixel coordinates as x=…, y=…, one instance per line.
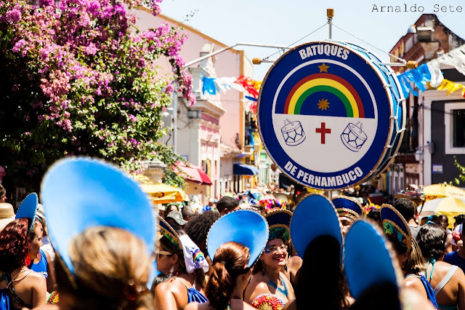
x=243, y=226
x=79, y=193
x=27, y=209
x=396, y=227
x=314, y=216
x=278, y=223
x=348, y=207
x=368, y=259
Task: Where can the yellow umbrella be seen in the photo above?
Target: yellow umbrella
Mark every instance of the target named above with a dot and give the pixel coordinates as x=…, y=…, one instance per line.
x=448, y=206
x=163, y=193
x=442, y=190
x=159, y=192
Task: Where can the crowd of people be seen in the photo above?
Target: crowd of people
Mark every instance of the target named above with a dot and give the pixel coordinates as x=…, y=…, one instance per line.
x=94, y=240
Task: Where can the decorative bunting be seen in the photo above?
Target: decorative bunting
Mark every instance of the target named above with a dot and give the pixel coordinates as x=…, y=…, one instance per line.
x=249, y=87
x=430, y=75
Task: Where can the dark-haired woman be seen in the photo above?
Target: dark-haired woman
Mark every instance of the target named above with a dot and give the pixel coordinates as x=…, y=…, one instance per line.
x=26, y=288
x=269, y=279
x=320, y=281
x=228, y=279
x=181, y=287
x=447, y=280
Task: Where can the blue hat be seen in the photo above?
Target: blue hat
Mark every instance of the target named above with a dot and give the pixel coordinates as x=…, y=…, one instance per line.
x=79, y=193
x=169, y=232
x=347, y=207
x=243, y=226
x=314, y=216
x=367, y=259
x=278, y=223
x=27, y=209
x=395, y=227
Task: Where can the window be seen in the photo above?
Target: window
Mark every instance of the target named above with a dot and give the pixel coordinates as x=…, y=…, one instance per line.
x=458, y=128
x=455, y=128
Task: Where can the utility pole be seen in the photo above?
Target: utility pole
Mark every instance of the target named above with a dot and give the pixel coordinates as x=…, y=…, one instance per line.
x=330, y=15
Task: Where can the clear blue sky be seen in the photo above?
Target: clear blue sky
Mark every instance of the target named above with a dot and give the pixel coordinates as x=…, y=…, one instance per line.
x=274, y=22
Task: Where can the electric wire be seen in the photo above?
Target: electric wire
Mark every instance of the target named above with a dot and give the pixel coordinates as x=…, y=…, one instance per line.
x=295, y=42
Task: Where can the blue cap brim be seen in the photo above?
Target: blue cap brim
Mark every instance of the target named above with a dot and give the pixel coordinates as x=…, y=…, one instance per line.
x=388, y=213
x=314, y=216
x=279, y=218
x=345, y=204
x=367, y=259
x=169, y=232
x=245, y=227
x=27, y=209
x=79, y=193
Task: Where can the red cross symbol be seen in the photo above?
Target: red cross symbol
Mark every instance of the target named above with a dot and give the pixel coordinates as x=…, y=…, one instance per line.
x=323, y=131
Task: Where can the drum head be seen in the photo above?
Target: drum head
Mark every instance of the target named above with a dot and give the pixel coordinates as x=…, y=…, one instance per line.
x=327, y=115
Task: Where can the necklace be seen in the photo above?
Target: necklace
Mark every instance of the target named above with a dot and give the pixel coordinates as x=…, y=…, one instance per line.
x=281, y=290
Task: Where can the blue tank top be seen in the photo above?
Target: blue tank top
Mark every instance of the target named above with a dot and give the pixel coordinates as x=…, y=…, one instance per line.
x=429, y=291
x=195, y=296
x=41, y=266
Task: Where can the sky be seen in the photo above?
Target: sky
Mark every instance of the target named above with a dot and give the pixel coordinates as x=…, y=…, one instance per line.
x=282, y=23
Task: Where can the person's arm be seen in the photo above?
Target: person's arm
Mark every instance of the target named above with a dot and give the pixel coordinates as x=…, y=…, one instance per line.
x=39, y=291
x=461, y=289
x=192, y=306
x=51, y=283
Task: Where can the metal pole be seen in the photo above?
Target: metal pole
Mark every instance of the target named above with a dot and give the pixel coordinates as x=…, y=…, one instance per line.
x=193, y=62
x=330, y=15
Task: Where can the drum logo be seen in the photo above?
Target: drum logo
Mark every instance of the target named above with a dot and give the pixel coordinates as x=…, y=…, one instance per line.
x=324, y=115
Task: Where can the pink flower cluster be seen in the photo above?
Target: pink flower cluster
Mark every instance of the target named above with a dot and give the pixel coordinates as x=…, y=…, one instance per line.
x=67, y=44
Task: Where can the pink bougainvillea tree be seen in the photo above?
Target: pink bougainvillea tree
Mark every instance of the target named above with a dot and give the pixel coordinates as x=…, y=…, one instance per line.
x=78, y=78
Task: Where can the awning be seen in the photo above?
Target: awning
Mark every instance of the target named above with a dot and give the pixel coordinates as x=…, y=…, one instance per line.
x=243, y=169
x=193, y=173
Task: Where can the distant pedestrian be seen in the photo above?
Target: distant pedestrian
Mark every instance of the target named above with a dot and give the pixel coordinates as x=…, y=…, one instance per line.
x=227, y=204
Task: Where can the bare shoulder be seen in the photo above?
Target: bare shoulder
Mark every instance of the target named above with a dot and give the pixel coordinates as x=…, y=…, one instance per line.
x=415, y=284
x=256, y=287
x=36, y=278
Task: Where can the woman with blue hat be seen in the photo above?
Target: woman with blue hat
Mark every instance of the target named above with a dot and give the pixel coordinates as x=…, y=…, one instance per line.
x=317, y=238
x=234, y=243
x=407, y=251
x=348, y=209
x=184, y=266
x=270, y=284
x=101, y=225
x=26, y=288
x=372, y=272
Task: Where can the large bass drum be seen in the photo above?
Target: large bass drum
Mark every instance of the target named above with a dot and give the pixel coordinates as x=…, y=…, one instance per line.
x=331, y=114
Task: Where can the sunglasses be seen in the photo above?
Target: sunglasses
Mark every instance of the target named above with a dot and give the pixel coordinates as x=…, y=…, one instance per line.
x=275, y=248
x=163, y=253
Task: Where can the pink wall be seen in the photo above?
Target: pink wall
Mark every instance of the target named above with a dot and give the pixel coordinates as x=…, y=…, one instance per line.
x=227, y=64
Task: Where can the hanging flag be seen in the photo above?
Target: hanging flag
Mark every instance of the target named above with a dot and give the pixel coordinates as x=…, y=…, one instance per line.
x=208, y=85
x=436, y=74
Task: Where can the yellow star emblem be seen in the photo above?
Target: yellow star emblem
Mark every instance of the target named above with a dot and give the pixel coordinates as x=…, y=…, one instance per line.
x=323, y=68
x=323, y=104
